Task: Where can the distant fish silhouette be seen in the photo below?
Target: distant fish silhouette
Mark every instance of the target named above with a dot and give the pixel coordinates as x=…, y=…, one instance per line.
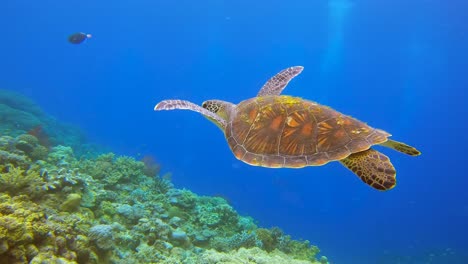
x=78, y=38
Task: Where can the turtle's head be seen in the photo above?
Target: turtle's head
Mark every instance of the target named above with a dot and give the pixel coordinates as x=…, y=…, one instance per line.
x=222, y=108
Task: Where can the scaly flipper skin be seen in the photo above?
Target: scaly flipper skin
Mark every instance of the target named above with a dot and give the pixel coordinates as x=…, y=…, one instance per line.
x=277, y=83
x=182, y=104
x=401, y=147
x=373, y=168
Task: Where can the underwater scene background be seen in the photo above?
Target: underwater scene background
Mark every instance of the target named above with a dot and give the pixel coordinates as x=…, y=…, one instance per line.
x=91, y=174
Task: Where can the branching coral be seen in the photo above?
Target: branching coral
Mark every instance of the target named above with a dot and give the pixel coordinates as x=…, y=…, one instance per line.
x=251, y=255
x=13, y=159
x=57, y=177
x=162, y=184
x=298, y=249
x=215, y=212
x=182, y=198
x=236, y=241
x=14, y=180
x=269, y=242
x=112, y=171
x=61, y=156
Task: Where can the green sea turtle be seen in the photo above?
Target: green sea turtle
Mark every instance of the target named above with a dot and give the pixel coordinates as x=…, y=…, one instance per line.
x=280, y=131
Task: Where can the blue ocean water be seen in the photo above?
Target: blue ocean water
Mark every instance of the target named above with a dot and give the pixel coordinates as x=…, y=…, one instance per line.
x=398, y=65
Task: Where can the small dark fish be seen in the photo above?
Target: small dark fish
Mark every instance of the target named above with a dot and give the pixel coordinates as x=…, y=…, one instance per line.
x=78, y=38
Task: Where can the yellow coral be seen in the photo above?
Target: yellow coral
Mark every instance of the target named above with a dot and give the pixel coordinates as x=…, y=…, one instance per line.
x=16, y=179
x=27, y=235
x=19, y=222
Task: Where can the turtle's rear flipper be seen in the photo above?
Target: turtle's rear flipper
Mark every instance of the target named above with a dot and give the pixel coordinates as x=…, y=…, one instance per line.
x=401, y=147
x=373, y=168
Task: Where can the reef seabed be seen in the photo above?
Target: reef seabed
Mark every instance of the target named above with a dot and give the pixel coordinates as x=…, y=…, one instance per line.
x=57, y=206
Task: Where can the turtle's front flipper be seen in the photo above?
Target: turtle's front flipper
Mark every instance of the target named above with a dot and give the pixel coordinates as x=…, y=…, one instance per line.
x=182, y=104
x=373, y=168
x=276, y=84
x=401, y=147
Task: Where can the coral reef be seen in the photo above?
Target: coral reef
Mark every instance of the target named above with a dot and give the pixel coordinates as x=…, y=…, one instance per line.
x=15, y=180
x=20, y=115
x=251, y=255
x=30, y=233
x=108, y=210
x=57, y=206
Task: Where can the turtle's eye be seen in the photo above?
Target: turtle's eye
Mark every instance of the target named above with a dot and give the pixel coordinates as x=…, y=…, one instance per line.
x=204, y=105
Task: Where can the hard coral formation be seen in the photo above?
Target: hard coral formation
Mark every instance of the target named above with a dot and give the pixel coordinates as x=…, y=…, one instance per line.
x=9, y=154
x=129, y=219
x=29, y=235
x=72, y=203
x=30, y=146
x=251, y=255
x=102, y=235
x=113, y=170
x=57, y=206
x=15, y=180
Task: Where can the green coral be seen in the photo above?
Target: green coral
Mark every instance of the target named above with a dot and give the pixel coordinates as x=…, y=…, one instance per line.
x=29, y=235
x=111, y=170
x=14, y=159
x=21, y=151
x=39, y=153
x=214, y=212
x=298, y=249
x=139, y=219
x=72, y=203
x=243, y=239
x=27, y=138
x=128, y=168
x=30, y=146
x=175, y=211
x=251, y=255
x=26, y=143
x=184, y=199
x=61, y=155
x=108, y=208
x=162, y=184
x=14, y=180
x=269, y=242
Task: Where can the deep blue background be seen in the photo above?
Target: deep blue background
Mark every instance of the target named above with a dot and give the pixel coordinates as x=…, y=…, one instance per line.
x=399, y=65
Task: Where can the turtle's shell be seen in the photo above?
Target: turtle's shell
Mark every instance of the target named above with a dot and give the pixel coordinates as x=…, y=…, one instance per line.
x=283, y=131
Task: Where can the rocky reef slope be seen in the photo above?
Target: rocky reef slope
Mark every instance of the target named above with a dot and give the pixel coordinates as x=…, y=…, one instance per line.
x=57, y=206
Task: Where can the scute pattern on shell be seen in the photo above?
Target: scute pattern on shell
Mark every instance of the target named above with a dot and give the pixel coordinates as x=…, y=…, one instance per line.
x=284, y=131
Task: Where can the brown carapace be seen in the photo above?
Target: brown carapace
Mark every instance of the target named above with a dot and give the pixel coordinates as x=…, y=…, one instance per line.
x=280, y=131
